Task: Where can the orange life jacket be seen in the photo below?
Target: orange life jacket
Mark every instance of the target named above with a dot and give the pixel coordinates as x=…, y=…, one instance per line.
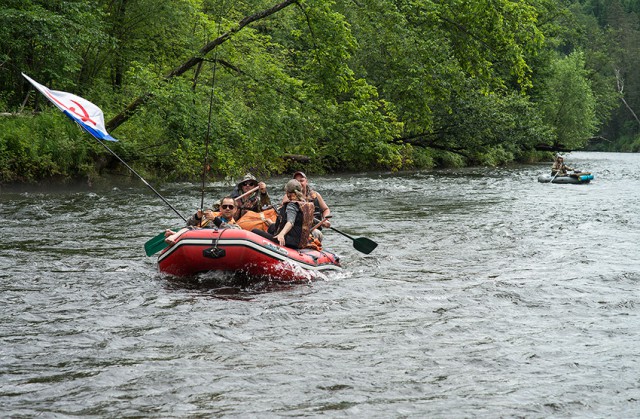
x=252, y=219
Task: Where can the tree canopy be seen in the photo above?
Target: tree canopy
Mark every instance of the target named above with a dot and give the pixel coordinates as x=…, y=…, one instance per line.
x=329, y=85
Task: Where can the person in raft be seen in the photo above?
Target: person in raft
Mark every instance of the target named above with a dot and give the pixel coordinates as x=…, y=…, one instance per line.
x=208, y=219
x=295, y=218
x=559, y=168
x=255, y=202
x=321, y=209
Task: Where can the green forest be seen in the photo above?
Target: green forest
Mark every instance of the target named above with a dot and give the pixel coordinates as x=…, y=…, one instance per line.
x=270, y=86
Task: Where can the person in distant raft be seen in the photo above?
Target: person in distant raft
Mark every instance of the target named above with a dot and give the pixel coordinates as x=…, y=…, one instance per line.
x=255, y=202
x=559, y=168
x=295, y=218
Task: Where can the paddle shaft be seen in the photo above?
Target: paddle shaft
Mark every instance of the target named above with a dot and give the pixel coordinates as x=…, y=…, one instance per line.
x=332, y=228
x=344, y=234
x=319, y=223
x=247, y=193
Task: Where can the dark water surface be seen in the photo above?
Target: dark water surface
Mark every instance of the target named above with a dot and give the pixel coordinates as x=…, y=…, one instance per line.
x=490, y=295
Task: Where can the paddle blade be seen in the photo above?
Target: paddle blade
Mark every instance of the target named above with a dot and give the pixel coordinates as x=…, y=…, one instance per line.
x=364, y=245
x=155, y=245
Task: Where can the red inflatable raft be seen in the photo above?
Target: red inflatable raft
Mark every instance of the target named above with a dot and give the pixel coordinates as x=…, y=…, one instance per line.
x=241, y=251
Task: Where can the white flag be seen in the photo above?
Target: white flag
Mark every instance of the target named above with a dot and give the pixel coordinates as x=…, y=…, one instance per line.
x=85, y=113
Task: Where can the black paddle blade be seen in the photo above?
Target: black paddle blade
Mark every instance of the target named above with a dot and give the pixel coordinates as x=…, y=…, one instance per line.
x=364, y=245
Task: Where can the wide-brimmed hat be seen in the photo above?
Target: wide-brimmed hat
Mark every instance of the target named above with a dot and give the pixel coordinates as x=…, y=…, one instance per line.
x=299, y=173
x=248, y=178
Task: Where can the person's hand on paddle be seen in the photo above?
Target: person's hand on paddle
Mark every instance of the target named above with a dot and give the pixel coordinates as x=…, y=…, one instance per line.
x=263, y=187
x=208, y=214
x=324, y=222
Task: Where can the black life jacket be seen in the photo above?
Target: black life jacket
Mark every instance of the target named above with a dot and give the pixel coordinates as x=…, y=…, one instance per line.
x=298, y=236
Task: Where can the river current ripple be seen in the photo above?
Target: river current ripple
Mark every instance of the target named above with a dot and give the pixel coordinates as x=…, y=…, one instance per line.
x=490, y=295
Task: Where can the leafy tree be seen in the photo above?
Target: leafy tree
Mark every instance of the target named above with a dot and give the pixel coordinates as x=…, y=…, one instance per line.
x=45, y=39
x=568, y=103
x=351, y=85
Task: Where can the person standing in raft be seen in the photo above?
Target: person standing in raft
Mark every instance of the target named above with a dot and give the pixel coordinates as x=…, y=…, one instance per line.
x=255, y=202
x=295, y=218
x=559, y=168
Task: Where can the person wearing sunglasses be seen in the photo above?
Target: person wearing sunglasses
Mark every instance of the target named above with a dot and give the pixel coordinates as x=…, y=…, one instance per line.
x=208, y=219
x=295, y=218
x=224, y=218
x=256, y=202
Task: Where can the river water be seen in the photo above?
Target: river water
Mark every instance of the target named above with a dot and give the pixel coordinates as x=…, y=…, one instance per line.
x=490, y=295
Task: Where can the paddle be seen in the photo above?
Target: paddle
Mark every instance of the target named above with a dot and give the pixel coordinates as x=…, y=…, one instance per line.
x=361, y=244
x=249, y=192
x=319, y=222
x=155, y=245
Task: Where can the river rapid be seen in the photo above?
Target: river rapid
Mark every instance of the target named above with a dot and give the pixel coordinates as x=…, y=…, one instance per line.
x=489, y=295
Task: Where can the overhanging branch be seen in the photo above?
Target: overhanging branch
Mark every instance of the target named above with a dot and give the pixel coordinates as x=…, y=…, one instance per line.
x=123, y=116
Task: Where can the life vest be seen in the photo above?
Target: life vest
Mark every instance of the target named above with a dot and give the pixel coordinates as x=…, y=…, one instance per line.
x=254, y=202
x=312, y=196
x=298, y=236
x=248, y=203
x=252, y=219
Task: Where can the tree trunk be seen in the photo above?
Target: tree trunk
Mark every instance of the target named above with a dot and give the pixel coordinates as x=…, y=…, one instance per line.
x=620, y=82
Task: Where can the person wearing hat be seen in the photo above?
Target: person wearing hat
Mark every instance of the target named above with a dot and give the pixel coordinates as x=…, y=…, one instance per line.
x=295, y=219
x=321, y=209
x=559, y=168
x=257, y=201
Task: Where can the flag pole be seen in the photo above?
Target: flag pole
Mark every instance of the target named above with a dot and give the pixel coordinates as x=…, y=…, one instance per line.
x=141, y=178
x=90, y=118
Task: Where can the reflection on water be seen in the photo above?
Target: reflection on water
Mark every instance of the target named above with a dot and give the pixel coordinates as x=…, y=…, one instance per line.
x=490, y=294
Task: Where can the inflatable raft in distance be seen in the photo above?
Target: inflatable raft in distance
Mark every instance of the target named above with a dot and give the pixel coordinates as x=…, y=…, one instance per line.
x=574, y=178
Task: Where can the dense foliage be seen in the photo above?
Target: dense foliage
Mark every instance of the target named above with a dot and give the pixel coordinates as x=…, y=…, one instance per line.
x=329, y=85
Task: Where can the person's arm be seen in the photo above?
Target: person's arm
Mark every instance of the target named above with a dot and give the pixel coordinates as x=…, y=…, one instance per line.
x=280, y=236
x=325, y=210
x=195, y=219
x=292, y=212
